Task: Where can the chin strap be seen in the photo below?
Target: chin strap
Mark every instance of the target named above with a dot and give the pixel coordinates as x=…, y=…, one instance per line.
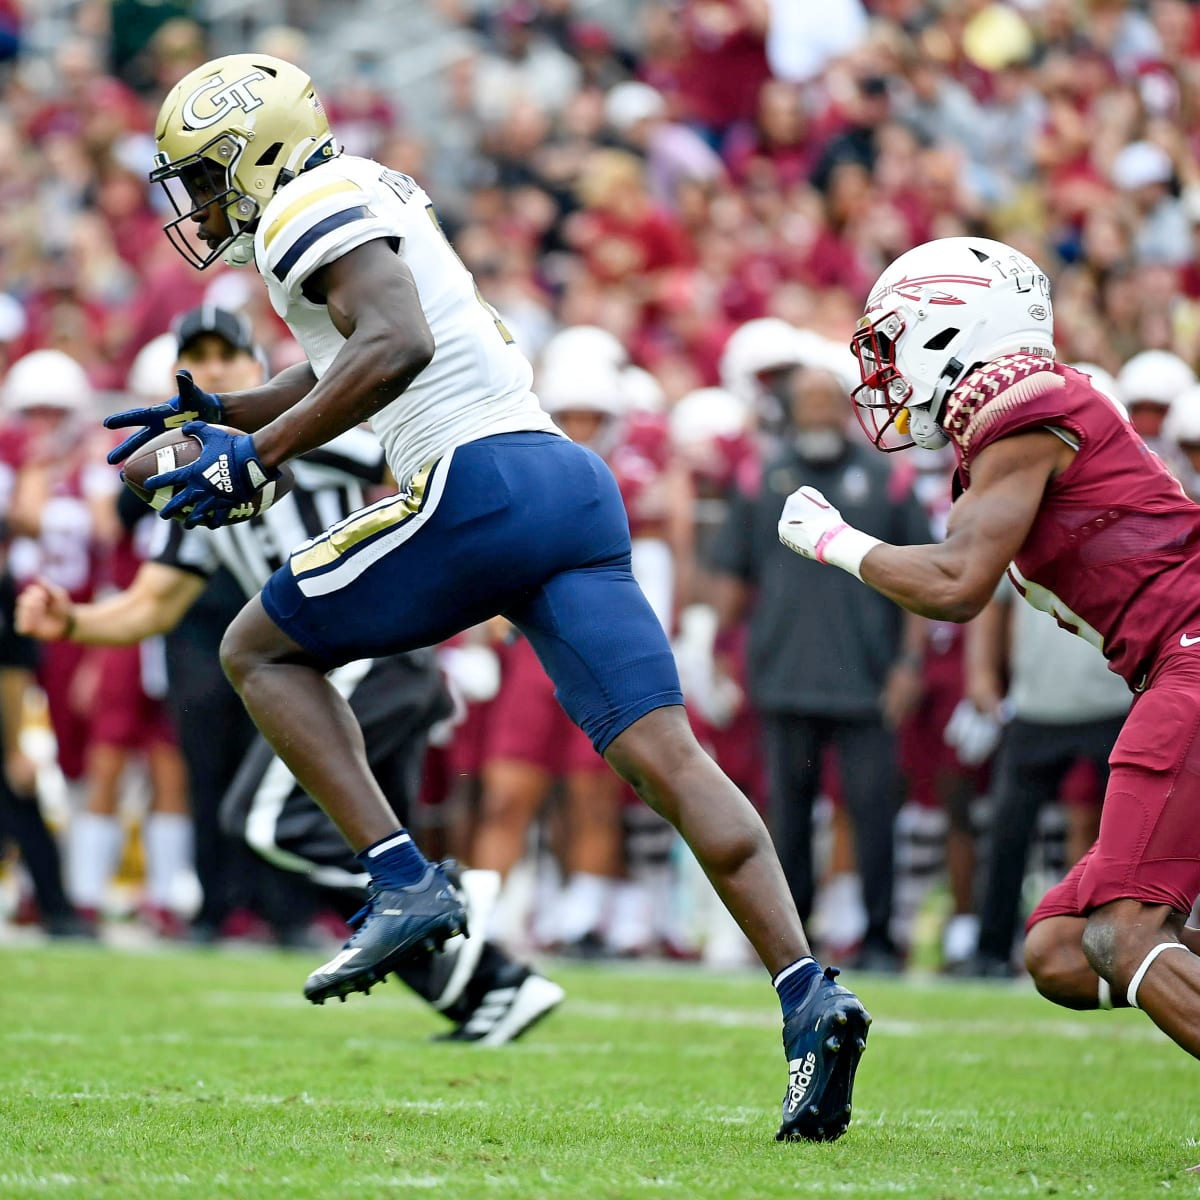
x=924, y=430
x=239, y=252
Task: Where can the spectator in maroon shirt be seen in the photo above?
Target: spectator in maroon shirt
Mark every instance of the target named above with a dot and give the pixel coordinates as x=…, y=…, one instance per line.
x=777, y=147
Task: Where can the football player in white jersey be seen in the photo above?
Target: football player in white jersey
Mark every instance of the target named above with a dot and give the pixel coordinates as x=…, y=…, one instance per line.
x=497, y=513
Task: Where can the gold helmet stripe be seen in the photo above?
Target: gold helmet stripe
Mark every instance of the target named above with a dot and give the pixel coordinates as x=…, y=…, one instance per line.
x=306, y=201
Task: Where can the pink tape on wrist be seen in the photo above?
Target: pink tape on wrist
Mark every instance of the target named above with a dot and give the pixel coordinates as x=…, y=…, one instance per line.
x=826, y=538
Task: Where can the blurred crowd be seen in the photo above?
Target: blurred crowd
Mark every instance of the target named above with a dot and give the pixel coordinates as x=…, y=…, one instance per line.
x=677, y=207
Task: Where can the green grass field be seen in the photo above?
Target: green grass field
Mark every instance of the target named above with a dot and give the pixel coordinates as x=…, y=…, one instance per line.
x=153, y=1075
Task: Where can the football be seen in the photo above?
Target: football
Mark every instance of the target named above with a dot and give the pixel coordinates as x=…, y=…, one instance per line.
x=174, y=449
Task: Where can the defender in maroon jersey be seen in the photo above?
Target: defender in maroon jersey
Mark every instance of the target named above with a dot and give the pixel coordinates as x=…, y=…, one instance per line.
x=957, y=346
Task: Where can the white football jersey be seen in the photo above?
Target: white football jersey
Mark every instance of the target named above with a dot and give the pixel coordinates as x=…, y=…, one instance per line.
x=478, y=383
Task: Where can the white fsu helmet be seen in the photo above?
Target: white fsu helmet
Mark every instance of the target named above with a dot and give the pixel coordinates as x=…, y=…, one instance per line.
x=937, y=312
x=152, y=375
x=1154, y=377
x=704, y=415
x=765, y=344
x=47, y=379
x=582, y=347
x=1182, y=423
x=597, y=389
x=643, y=393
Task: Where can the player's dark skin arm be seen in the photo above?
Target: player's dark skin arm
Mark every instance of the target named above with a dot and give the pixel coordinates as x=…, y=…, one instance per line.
x=373, y=303
x=954, y=579
x=250, y=410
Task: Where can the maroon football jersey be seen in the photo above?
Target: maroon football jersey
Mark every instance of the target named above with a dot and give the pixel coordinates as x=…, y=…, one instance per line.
x=1114, y=552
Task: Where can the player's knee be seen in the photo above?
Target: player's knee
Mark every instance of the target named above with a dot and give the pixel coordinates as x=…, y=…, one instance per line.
x=1056, y=963
x=654, y=754
x=251, y=641
x=1118, y=936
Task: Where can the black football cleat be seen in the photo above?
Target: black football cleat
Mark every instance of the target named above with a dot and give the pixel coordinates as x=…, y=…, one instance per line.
x=824, y=1036
x=503, y=1005
x=395, y=924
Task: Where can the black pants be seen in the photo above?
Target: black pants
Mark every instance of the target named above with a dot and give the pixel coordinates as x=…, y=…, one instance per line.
x=214, y=732
x=871, y=786
x=1034, y=759
x=21, y=819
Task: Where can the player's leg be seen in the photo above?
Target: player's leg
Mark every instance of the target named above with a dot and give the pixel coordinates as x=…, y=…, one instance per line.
x=513, y=793
x=616, y=677
x=867, y=758
x=1027, y=776
x=1143, y=876
x=792, y=747
x=490, y=998
x=306, y=717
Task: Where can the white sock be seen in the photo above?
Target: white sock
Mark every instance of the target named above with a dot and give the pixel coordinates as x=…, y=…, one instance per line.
x=582, y=906
x=93, y=850
x=168, y=840
x=632, y=921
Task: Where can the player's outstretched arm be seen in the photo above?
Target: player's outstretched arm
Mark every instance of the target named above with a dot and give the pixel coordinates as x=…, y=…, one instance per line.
x=954, y=579
x=373, y=302
x=153, y=603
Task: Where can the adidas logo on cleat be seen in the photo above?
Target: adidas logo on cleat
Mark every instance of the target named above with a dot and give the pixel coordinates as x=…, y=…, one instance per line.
x=218, y=474
x=800, y=1077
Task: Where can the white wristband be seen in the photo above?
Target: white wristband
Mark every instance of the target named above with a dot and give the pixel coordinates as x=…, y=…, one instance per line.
x=846, y=547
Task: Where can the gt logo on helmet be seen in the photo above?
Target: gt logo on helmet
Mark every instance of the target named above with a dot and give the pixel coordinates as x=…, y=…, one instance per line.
x=235, y=95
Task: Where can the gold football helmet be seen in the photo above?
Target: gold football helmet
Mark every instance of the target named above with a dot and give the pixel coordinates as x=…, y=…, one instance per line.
x=232, y=133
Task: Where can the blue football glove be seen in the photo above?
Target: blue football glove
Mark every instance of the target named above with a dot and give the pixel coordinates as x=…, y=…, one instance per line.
x=190, y=405
x=227, y=475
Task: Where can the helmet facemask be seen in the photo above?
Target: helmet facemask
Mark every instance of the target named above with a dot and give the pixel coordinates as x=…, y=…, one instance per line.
x=192, y=185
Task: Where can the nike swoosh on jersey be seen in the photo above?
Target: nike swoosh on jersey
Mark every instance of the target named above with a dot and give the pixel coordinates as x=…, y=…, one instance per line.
x=1184, y=640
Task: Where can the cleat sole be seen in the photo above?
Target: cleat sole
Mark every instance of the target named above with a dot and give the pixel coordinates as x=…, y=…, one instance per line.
x=829, y=1118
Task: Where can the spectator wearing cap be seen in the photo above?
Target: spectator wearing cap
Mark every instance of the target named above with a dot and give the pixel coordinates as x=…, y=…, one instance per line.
x=637, y=114
x=1143, y=173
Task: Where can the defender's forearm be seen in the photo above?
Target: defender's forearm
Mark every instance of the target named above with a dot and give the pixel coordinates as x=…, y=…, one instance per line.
x=926, y=581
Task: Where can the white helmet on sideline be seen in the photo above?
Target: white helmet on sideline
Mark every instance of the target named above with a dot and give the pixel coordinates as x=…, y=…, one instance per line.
x=582, y=347
x=563, y=388
x=47, y=379
x=761, y=345
x=1154, y=377
x=151, y=377
x=643, y=392
x=705, y=414
x=1182, y=423
x=937, y=312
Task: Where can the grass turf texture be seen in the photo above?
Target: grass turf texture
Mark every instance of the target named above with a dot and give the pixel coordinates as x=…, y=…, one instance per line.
x=204, y=1075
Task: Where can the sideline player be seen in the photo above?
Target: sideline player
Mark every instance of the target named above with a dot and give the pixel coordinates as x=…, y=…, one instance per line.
x=490, y=998
x=498, y=512
x=957, y=345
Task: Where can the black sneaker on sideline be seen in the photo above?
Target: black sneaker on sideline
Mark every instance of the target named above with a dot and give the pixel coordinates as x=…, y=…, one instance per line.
x=502, y=1006
x=395, y=923
x=824, y=1036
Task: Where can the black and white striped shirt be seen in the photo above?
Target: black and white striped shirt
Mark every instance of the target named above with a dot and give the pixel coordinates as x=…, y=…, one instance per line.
x=330, y=485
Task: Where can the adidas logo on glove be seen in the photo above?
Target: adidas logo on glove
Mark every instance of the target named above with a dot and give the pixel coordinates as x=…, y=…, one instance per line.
x=218, y=474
